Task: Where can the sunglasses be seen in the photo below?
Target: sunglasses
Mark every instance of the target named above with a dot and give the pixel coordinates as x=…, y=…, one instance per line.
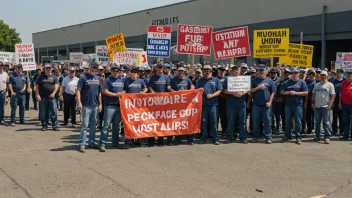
x=115, y=70
x=133, y=71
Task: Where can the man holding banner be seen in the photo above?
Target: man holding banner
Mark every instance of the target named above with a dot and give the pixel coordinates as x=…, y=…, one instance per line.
x=212, y=88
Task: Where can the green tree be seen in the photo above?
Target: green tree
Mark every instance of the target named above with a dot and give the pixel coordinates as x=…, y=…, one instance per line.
x=8, y=38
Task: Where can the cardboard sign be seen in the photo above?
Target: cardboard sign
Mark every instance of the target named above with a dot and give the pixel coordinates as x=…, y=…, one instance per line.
x=115, y=44
x=298, y=55
x=76, y=57
x=344, y=61
x=8, y=57
x=231, y=43
x=161, y=114
x=194, y=39
x=159, y=41
x=271, y=43
x=89, y=57
x=101, y=52
x=126, y=58
x=25, y=55
x=238, y=83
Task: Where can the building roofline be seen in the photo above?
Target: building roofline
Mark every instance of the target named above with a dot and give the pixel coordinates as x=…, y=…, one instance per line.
x=187, y=1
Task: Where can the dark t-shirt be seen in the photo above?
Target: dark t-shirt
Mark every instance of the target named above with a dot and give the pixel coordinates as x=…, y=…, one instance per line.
x=90, y=87
x=159, y=83
x=178, y=84
x=134, y=86
x=46, y=85
x=261, y=97
x=232, y=101
x=297, y=86
x=114, y=85
x=337, y=84
x=278, y=83
x=17, y=82
x=210, y=86
x=310, y=85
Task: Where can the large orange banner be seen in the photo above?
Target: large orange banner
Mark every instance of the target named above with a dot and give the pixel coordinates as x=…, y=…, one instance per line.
x=161, y=114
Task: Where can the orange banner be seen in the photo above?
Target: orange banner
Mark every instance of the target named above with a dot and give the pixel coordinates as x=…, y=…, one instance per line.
x=161, y=114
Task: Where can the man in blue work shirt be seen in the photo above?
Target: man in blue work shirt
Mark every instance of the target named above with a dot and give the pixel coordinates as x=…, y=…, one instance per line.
x=337, y=113
x=17, y=87
x=181, y=82
x=277, y=102
x=112, y=90
x=263, y=91
x=236, y=108
x=212, y=89
x=157, y=84
x=33, y=81
x=310, y=81
x=294, y=91
x=222, y=115
x=89, y=101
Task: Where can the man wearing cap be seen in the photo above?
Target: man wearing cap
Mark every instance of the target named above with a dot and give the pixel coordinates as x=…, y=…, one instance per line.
x=68, y=96
x=336, y=111
x=57, y=96
x=317, y=75
x=294, y=91
x=158, y=83
x=263, y=91
x=34, y=93
x=236, y=107
x=310, y=81
x=17, y=86
x=244, y=69
x=197, y=75
x=147, y=74
x=212, y=89
x=178, y=83
x=277, y=102
x=332, y=77
x=167, y=71
x=90, y=102
x=3, y=91
x=322, y=101
x=345, y=103
x=112, y=90
x=47, y=85
x=222, y=101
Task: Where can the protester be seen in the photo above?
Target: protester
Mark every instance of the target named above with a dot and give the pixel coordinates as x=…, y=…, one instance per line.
x=337, y=114
x=277, y=102
x=222, y=108
x=33, y=81
x=89, y=101
x=322, y=101
x=57, y=96
x=68, y=97
x=3, y=92
x=345, y=103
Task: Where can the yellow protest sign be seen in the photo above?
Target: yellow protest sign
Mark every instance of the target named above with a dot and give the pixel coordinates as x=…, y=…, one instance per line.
x=115, y=43
x=271, y=43
x=298, y=55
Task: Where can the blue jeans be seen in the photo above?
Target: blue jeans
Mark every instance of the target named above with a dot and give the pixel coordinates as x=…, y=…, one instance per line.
x=276, y=116
x=2, y=104
x=89, y=118
x=347, y=116
x=209, y=114
x=295, y=112
x=19, y=99
x=322, y=113
x=112, y=115
x=47, y=107
x=261, y=113
x=232, y=114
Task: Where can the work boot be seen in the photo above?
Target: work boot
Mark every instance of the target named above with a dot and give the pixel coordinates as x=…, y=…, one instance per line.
x=102, y=149
x=269, y=141
x=327, y=141
x=82, y=149
x=299, y=142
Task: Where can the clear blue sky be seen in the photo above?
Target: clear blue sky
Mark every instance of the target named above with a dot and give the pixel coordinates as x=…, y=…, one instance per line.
x=29, y=16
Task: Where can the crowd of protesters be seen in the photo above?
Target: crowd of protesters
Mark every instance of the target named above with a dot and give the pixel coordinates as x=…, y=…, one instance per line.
x=282, y=99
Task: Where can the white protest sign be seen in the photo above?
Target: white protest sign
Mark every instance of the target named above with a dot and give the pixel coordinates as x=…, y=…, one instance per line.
x=89, y=57
x=143, y=58
x=25, y=55
x=101, y=52
x=127, y=58
x=238, y=83
x=344, y=61
x=134, y=50
x=8, y=57
x=76, y=57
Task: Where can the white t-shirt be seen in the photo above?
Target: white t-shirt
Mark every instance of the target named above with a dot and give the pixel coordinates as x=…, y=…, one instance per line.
x=3, y=80
x=70, y=85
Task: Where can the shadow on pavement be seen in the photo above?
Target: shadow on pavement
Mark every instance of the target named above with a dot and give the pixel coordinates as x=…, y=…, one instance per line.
x=67, y=148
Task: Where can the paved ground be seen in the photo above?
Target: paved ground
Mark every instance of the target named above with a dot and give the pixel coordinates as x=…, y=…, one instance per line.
x=47, y=164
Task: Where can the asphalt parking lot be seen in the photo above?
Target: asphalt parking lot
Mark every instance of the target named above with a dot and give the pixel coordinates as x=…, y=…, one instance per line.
x=34, y=163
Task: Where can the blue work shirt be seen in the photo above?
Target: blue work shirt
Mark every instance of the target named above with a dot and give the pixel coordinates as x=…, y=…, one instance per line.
x=310, y=85
x=337, y=84
x=232, y=101
x=297, y=86
x=90, y=87
x=114, y=85
x=17, y=82
x=134, y=86
x=210, y=86
x=278, y=83
x=261, y=97
x=178, y=84
x=159, y=83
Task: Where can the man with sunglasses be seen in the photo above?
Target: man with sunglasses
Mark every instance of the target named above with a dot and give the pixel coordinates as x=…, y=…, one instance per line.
x=212, y=89
x=337, y=115
x=90, y=102
x=222, y=116
x=147, y=74
x=47, y=86
x=68, y=96
x=310, y=81
x=17, y=86
x=322, y=101
x=294, y=91
x=112, y=90
x=3, y=91
x=277, y=102
x=317, y=75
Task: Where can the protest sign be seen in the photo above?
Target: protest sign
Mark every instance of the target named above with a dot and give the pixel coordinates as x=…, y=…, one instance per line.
x=101, y=52
x=161, y=114
x=238, y=83
x=115, y=44
x=231, y=43
x=8, y=57
x=143, y=59
x=127, y=58
x=134, y=50
x=89, y=57
x=159, y=41
x=344, y=61
x=194, y=39
x=270, y=43
x=76, y=57
x=298, y=55
x=25, y=55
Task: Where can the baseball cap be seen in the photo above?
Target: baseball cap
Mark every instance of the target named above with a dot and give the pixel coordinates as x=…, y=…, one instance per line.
x=167, y=65
x=318, y=70
x=287, y=70
x=273, y=70
x=72, y=69
x=47, y=65
x=252, y=71
x=147, y=68
x=294, y=70
x=221, y=67
x=101, y=67
x=135, y=69
x=140, y=68
x=93, y=64
x=235, y=67
x=261, y=67
x=159, y=65
x=244, y=65
x=339, y=70
x=207, y=67
x=19, y=65
x=324, y=73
